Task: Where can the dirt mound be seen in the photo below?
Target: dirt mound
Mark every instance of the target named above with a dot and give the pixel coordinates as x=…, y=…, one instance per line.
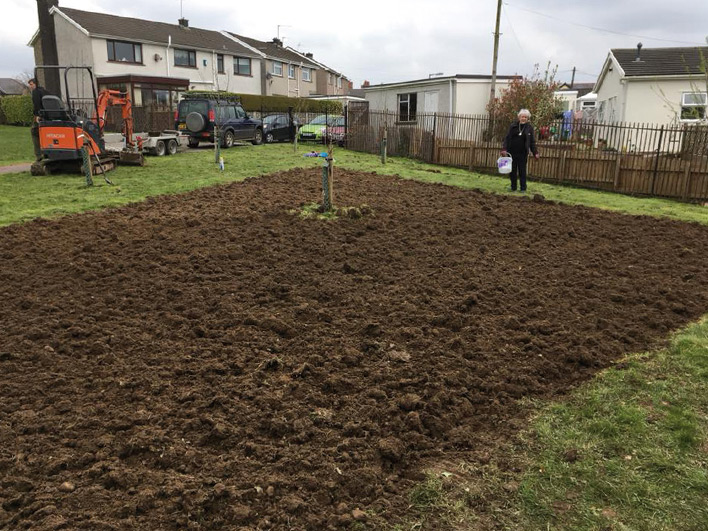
x=212, y=361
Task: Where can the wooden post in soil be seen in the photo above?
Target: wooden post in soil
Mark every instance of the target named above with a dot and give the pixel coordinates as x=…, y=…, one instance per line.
x=328, y=182
x=217, y=144
x=293, y=128
x=384, y=145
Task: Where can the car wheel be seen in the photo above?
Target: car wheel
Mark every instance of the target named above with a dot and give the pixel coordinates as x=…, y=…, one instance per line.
x=172, y=147
x=269, y=138
x=193, y=142
x=160, y=148
x=257, y=137
x=228, y=139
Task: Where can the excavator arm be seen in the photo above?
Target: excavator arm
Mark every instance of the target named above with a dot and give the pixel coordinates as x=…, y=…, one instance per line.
x=108, y=98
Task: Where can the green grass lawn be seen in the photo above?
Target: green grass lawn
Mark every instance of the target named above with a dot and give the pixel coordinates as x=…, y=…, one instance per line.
x=628, y=450
x=15, y=145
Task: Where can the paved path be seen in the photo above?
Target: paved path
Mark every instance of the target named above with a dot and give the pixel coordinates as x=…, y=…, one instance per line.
x=15, y=168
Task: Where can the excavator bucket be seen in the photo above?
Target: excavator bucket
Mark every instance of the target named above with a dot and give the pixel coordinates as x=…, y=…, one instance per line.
x=131, y=158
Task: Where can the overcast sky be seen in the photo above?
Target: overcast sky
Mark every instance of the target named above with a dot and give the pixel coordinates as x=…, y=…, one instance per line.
x=385, y=41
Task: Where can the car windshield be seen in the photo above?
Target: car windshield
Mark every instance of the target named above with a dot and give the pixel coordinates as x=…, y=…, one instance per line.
x=187, y=106
x=273, y=118
x=325, y=119
x=320, y=120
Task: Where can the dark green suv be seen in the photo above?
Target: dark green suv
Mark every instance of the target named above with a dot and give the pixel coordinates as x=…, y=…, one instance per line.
x=198, y=115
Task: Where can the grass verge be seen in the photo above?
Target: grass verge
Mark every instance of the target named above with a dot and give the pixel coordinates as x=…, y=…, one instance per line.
x=627, y=451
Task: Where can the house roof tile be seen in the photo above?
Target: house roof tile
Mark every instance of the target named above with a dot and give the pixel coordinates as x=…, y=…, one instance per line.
x=275, y=51
x=140, y=30
x=661, y=61
x=11, y=87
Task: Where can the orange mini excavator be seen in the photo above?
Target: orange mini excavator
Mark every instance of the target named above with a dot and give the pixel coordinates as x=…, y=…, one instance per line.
x=72, y=141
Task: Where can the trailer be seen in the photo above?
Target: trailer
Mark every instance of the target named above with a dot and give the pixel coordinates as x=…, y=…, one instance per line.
x=158, y=143
x=161, y=143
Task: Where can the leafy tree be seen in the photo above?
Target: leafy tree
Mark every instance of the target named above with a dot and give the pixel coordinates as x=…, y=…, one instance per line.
x=534, y=93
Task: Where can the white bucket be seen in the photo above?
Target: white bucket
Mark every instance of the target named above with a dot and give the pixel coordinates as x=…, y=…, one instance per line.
x=504, y=164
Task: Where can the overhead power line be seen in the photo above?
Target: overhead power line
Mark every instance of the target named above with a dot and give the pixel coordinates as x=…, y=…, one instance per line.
x=565, y=21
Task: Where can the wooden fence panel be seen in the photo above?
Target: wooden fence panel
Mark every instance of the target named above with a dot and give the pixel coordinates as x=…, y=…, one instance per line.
x=640, y=159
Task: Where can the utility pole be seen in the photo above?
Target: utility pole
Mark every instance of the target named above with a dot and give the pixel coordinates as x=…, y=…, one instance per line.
x=572, y=79
x=496, y=52
x=50, y=55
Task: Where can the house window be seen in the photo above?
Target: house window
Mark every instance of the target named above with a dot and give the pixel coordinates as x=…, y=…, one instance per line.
x=291, y=71
x=242, y=66
x=307, y=74
x=185, y=58
x=329, y=79
x=407, y=104
x=277, y=68
x=125, y=52
x=693, y=105
x=220, y=63
x=339, y=82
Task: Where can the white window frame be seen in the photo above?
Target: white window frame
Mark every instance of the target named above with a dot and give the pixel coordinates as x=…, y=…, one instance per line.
x=685, y=104
x=306, y=74
x=277, y=68
x=291, y=71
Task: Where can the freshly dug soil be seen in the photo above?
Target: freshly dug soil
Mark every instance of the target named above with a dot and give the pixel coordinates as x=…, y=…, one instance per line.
x=214, y=361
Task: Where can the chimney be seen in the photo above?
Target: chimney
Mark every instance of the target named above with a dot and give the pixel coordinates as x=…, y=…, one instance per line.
x=183, y=23
x=365, y=84
x=308, y=55
x=639, y=53
x=277, y=42
x=50, y=56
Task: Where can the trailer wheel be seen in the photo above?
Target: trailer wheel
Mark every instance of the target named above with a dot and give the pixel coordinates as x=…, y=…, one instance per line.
x=160, y=148
x=172, y=147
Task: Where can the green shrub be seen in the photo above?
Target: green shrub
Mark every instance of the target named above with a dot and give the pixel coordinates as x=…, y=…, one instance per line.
x=17, y=110
x=255, y=102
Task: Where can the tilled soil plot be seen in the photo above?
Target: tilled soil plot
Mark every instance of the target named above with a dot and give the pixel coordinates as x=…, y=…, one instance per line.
x=213, y=361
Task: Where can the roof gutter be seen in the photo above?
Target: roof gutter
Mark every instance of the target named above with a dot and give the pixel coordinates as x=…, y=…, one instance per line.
x=435, y=81
x=673, y=77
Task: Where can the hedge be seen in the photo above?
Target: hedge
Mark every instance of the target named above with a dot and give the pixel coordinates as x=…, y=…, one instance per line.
x=255, y=102
x=16, y=110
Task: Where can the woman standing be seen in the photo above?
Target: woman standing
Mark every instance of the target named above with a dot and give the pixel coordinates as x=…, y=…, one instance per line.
x=518, y=143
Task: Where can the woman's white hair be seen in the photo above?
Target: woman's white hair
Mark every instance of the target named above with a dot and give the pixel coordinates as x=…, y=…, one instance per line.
x=526, y=112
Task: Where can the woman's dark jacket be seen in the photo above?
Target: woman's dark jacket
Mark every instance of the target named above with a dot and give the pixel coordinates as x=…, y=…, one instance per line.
x=527, y=133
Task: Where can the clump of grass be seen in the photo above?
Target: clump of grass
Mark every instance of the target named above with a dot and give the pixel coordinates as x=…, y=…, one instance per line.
x=427, y=495
x=317, y=211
